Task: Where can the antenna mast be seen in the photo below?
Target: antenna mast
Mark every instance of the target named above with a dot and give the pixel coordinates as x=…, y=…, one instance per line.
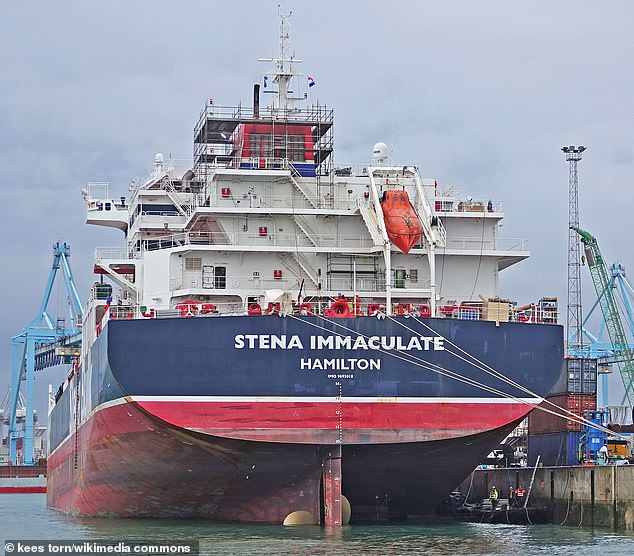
x=574, y=320
x=282, y=71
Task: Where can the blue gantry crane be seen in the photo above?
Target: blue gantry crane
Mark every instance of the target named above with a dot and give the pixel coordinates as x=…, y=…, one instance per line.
x=604, y=286
x=44, y=342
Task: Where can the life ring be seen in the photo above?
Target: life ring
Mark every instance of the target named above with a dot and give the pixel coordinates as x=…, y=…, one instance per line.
x=207, y=308
x=424, y=310
x=340, y=309
x=254, y=309
x=373, y=309
x=305, y=309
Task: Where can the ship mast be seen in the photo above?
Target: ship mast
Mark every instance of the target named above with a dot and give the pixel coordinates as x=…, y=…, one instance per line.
x=282, y=70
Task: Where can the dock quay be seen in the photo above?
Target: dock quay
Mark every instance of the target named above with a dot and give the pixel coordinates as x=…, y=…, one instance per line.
x=592, y=496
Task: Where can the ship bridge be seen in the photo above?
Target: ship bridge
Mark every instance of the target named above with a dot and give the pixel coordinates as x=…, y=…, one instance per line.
x=237, y=137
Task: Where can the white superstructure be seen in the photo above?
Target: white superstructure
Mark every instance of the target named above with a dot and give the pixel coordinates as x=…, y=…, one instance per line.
x=263, y=215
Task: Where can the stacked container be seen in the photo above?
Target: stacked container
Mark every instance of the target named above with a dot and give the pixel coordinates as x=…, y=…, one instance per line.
x=556, y=439
x=554, y=449
x=540, y=422
x=582, y=376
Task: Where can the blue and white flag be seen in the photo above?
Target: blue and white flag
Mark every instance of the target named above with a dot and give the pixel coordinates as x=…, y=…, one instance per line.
x=311, y=81
x=266, y=78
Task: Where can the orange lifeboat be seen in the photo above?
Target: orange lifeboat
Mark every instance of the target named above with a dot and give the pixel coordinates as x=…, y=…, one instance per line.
x=401, y=221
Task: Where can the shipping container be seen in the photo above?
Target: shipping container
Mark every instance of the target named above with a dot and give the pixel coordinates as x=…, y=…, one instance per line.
x=540, y=422
x=595, y=437
x=560, y=448
x=580, y=377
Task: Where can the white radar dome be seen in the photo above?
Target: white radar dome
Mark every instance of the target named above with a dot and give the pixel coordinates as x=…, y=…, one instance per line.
x=380, y=152
x=158, y=158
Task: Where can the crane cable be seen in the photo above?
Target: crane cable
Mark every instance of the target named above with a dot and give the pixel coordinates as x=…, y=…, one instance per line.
x=417, y=361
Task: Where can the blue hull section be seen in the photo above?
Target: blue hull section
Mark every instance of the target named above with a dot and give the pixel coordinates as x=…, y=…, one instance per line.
x=273, y=356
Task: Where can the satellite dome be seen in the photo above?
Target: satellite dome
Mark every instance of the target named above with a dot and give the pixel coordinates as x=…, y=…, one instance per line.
x=158, y=158
x=380, y=152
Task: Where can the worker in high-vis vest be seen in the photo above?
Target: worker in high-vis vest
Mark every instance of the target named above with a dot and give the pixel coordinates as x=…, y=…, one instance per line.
x=493, y=496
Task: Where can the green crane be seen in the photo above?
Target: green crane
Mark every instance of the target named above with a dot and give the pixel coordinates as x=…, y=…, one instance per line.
x=600, y=278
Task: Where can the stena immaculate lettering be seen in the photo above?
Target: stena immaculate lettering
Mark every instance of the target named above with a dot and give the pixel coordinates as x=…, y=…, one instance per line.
x=379, y=343
x=267, y=341
x=339, y=342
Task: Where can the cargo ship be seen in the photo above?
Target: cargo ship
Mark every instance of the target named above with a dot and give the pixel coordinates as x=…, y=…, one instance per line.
x=281, y=336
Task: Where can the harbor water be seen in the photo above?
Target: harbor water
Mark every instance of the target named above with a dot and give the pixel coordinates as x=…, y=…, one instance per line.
x=25, y=517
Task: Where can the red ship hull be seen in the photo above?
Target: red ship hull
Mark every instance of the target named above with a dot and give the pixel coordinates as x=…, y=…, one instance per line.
x=201, y=418
x=126, y=462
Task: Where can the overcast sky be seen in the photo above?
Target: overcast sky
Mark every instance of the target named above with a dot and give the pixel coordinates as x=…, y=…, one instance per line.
x=480, y=95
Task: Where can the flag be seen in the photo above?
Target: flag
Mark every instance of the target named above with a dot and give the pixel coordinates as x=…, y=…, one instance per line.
x=266, y=78
x=311, y=81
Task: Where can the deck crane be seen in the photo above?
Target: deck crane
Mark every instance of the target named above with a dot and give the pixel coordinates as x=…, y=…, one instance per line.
x=605, y=297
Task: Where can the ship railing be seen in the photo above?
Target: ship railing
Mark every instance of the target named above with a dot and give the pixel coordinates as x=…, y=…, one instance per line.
x=112, y=253
x=259, y=237
x=283, y=279
x=349, y=170
x=158, y=216
x=487, y=244
x=314, y=113
x=201, y=306
x=469, y=205
x=171, y=167
x=237, y=283
x=208, y=305
x=98, y=190
x=218, y=199
x=276, y=200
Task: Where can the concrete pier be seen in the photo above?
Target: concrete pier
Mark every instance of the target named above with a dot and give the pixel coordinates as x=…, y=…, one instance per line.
x=597, y=496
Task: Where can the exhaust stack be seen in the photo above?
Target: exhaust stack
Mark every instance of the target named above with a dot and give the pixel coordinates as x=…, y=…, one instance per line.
x=256, y=100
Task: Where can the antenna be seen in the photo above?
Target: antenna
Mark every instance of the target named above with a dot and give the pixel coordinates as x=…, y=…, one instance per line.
x=574, y=320
x=285, y=37
x=283, y=71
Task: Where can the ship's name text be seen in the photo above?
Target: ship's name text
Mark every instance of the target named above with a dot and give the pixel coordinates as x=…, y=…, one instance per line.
x=383, y=343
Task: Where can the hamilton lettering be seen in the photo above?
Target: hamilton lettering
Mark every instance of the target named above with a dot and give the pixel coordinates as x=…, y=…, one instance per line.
x=335, y=364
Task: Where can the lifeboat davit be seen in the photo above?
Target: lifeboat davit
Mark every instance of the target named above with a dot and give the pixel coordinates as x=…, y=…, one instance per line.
x=401, y=221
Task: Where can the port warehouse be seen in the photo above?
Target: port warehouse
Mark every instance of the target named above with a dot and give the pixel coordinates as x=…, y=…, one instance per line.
x=598, y=496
